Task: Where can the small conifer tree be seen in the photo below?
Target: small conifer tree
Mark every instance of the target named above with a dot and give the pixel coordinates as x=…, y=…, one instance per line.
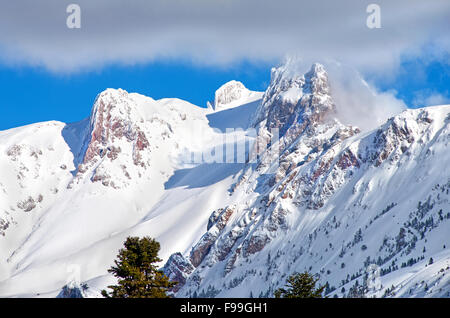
x=300, y=285
x=136, y=271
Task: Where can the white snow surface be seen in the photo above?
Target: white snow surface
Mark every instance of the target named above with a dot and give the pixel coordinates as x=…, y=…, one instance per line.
x=339, y=202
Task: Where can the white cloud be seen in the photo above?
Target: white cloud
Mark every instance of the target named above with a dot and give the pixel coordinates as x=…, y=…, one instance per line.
x=358, y=103
x=428, y=98
x=218, y=32
x=437, y=99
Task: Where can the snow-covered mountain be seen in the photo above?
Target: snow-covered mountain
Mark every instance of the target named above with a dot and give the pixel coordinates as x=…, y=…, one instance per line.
x=369, y=212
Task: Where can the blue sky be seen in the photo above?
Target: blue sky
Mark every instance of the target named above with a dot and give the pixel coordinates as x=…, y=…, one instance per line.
x=420, y=82
x=31, y=94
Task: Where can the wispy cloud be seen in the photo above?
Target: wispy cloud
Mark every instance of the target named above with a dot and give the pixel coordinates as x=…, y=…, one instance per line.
x=359, y=103
x=218, y=32
x=430, y=98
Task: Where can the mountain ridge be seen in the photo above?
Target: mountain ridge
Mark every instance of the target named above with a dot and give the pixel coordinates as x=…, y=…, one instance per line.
x=70, y=191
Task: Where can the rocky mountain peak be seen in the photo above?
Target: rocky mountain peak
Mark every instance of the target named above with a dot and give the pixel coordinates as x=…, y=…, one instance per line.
x=230, y=92
x=317, y=79
x=114, y=131
x=294, y=99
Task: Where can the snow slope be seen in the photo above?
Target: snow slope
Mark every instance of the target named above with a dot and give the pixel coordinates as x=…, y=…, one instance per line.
x=70, y=192
x=370, y=207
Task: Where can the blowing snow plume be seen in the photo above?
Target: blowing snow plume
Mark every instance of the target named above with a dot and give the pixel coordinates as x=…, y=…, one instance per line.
x=357, y=102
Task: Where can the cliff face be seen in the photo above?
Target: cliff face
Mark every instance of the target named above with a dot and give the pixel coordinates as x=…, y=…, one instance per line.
x=115, y=134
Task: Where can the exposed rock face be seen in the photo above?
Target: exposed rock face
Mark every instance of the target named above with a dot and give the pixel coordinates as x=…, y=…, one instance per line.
x=113, y=118
x=255, y=244
x=292, y=99
x=301, y=108
x=27, y=205
x=201, y=249
x=220, y=218
x=228, y=93
x=394, y=140
x=4, y=224
x=177, y=268
x=115, y=131
x=217, y=222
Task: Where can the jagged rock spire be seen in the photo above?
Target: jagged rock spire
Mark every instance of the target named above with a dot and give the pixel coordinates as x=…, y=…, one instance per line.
x=295, y=98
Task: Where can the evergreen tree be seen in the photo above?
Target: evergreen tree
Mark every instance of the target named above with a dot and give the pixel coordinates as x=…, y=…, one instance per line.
x=136, y=271
x=300, y=285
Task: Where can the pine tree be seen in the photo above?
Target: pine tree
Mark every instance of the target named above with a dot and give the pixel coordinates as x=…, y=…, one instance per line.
x=300, y=285
x=136, y=271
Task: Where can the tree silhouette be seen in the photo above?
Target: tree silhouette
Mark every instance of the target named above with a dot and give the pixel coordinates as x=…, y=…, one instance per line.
x=136, y=271
x=300, y=285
